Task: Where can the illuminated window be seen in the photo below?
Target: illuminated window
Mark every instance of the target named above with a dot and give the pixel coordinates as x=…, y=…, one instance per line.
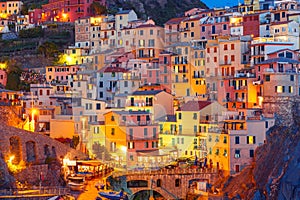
x=250, y=139
x=279, y=89
x=237, y=153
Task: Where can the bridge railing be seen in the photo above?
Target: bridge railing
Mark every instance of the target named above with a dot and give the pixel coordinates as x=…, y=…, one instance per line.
x=35, y=191
x=167, y=171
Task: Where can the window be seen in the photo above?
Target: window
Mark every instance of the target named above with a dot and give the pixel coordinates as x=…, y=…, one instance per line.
x=98, y=106
x=203, y=28
x=179, y=115
x=112, y=131
x=291, y=89
x=145, y=132
x=192, y=34
x=250, y=139
x=225, y=47
x=217, y=152
x=232, y=58
x=225, y=153
x=237, y=153
x=251, y=153
x=194, y=115
x=141, y=32
x=195, y=128
x=146, y=145
x=215, y=59
x=267, y=78
x=232, y=46
x=177, y=182
x=280, y=89
x=217, y=139
x=112, y=118
x=130, y=145
x=267, y=124
x=237, y=140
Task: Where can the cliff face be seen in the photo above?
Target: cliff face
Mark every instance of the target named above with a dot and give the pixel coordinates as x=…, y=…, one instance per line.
x=275, y=174
x=159, y=10
x=6, y=180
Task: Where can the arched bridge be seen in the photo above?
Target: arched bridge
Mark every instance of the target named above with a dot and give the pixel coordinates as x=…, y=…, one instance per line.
x=169, y=183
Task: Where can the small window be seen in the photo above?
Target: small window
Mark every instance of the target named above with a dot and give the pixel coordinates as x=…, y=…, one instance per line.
x=251, y=153
x=177, y=182
x=237, y=140
x=237, y=153
x=112, y=118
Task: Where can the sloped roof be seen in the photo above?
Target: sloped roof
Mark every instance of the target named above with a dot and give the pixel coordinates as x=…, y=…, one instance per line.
x=147, y=92
x=273, y=60
x=194, y=105
x=175, y=20
x=123, y=12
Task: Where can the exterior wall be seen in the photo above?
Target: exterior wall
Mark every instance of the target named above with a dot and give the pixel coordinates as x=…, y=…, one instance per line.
x=60, y=73
x=251, y=25
x=3, y=77
x=82, y=33
x=150, y=41
x=62, y=128
x=13, y=7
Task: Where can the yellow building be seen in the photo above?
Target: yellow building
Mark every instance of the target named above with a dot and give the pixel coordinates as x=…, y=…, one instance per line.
x=197, y=75
x=115, y=136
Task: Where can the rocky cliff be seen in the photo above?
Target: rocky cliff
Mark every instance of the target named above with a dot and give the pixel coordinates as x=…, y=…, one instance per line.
x=159, y=10
x=275, y=174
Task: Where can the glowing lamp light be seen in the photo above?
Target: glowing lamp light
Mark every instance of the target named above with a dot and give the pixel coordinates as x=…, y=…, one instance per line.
x=3, y=66
x=69, y=59
x=11, y=158
x=64, y=15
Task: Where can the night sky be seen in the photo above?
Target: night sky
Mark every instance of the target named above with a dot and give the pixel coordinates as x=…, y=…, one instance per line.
x=221, y=3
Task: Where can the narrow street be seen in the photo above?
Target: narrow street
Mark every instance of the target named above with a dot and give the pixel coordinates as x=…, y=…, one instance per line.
x=91, y=191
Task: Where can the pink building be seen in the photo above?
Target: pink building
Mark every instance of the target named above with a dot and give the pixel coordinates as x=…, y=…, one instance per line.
x=67, y=11
x=3, y=77
x=60, y=73
x=35, y=16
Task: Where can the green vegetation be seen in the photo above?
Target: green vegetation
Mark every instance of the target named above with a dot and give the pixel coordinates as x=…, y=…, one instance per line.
x=48, y=49
x=98, y=9
x=158, y=11
x=31, y=33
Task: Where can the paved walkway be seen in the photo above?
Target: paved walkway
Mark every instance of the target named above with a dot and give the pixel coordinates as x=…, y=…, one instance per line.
x=91, y=191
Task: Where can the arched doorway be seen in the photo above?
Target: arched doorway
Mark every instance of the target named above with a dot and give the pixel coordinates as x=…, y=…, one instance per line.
x=145, y=195
x=30, y=151
x=15, y=149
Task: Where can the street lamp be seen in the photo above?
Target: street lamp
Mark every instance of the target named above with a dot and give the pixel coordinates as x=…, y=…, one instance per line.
x=33, y=112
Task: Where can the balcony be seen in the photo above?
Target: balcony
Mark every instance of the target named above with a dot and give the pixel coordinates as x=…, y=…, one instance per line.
x=103, y=37
x=171, y=31
x=137, y=123
x=183, y=62
x=196, y=76
x=180, y=71
x=240, y=87
x=259, y=82
x=181, y=81
x=80, y=11
x=184, y=29
x=132, y=138
x=112, y=89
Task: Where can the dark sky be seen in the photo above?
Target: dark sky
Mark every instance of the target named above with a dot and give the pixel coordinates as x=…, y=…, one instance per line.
x=221, y=3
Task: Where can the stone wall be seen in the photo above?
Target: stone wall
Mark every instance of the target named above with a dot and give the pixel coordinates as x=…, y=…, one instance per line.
x=33, y=148
x=40, y=153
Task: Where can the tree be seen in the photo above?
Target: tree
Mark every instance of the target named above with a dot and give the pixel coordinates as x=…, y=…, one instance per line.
x=98, y=9
x=101, y=151
x=48, y=50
